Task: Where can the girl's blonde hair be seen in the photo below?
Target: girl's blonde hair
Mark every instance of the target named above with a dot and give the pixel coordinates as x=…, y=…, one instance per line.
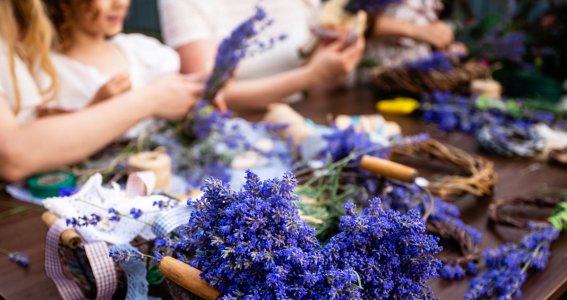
x=28, y=34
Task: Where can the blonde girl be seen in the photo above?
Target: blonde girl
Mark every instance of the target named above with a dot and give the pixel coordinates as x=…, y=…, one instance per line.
x=28, y=79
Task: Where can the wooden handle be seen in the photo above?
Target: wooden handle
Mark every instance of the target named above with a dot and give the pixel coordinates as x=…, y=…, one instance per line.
x=388, y=168
x=69, y=237
x=187, y=277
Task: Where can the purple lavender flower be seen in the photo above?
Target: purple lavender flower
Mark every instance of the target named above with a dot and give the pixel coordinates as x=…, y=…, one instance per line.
x=124, y=255
x=20, y=259
x=206, y=120
x=240, y=44
x=438, y=61
x=509, y=46
x=253, y=242
x=369, y=6
x=165, y=204
x=114, y=215
x=452, y=272
x=342, y=143
x=136, y=213
x=390, y=251
x=84, y=221
x=507, y=265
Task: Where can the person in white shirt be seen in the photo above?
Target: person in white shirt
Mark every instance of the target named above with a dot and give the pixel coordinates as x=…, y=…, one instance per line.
x=408, y=31
x=95, y=60
x=196, y=27
x=29, y=144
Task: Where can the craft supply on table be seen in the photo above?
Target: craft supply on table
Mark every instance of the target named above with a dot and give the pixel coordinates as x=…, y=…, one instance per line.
x=399, y=105
x=297, y=127
x=49, y=184
x=157, y=162
x=372, y=124
x=187, y=277
x=486, y=87
x=69, y=237
x=478, y=180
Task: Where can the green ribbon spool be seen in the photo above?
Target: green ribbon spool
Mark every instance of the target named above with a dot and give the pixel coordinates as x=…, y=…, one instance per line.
x=154, y=276
x=48, y=184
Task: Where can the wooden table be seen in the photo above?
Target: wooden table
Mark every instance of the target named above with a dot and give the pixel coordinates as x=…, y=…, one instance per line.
x=515, y=178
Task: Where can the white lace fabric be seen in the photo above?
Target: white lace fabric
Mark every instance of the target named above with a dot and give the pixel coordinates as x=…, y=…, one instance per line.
x=94, y=198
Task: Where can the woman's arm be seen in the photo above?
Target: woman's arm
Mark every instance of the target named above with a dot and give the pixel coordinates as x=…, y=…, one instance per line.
x=55, y=141
x=328, y=64
x=438, y=34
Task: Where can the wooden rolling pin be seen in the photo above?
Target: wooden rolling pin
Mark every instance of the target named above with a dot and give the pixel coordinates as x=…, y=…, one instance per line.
x=69, y=237
x=187, y=277
x=388, y=168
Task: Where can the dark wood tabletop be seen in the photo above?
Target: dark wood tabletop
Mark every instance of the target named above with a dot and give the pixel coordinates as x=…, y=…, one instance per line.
x=515, y=177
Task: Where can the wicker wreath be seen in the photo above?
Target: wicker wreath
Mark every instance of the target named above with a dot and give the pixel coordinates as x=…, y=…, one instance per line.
x=498, y=213
x=479, y=175
x=401, y=79
x=469, y=250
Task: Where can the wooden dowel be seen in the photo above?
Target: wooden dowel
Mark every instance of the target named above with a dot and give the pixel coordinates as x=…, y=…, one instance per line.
x=69, y=237
x=388, y=168
x=187, y=277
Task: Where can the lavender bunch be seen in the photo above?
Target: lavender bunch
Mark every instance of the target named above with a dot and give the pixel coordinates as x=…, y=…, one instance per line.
x=234, y=48
x=253, y=243
x=404, y=197
x=342, y=143
x=369, y=6
x=438, y=61
x=452, y=112
x=507, y=266
x=390, y=252
x=496, y=46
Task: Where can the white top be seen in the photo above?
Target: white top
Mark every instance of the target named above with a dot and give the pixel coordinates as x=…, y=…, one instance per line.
x=393, y=52
x=147, y=58
x=186, y=21
x=30, y=96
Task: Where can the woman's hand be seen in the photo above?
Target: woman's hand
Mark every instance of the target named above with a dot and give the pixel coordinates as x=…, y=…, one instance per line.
x=333, y=62
x=173, y=96
x=117, y=85
x=437, y=34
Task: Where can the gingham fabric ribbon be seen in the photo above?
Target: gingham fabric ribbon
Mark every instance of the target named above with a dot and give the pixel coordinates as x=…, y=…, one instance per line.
x=68, y=289
x=97, y=254
x=171, y=219
x=103, y=269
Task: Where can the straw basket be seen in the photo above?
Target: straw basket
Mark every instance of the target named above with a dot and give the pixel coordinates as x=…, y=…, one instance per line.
x=400, y=79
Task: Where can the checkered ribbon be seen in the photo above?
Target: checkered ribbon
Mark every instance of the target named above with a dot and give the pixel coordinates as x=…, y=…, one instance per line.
x=97, y=255
x=103, y=269
x=68, y=289
x=171, y=219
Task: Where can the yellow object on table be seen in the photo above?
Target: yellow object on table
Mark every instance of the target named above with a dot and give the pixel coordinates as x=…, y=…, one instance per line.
x=400, y=105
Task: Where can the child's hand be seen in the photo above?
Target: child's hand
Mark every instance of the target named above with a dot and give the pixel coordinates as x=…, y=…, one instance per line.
x=117, y=85
x=173, y=96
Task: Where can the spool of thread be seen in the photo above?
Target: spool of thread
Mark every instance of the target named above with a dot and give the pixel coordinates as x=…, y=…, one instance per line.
x=388, y=168
x=486, y=87
x=297, y=129
x=187, y=277
x=157, y=162
x=49, y=184
x=69, y=237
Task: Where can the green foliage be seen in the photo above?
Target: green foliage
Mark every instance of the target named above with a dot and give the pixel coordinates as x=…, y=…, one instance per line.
x=559, y=216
